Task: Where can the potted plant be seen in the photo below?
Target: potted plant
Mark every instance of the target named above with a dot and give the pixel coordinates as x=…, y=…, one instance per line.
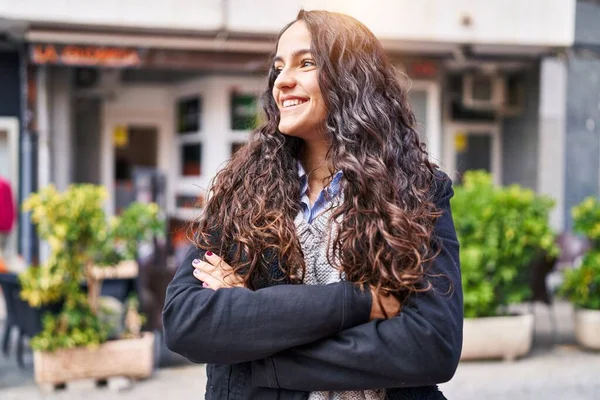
x=582, y=284
x=500, y=230
x=85, y=248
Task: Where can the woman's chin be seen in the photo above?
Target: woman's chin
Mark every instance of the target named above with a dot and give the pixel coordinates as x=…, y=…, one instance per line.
x=289, y=129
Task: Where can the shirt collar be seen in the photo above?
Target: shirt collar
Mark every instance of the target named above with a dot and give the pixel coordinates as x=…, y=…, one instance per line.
x=301, y=171
x=333, y=188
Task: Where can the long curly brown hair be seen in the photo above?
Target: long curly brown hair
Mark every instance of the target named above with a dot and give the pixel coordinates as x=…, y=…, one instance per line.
x=386, y=216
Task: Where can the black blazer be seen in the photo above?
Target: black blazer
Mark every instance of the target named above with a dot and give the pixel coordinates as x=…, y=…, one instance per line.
x=283, y=341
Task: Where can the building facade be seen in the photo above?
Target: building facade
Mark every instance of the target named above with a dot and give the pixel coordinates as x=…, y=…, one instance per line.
x=127, y=90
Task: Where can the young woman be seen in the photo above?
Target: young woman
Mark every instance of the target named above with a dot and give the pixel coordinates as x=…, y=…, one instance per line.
x=326, y=261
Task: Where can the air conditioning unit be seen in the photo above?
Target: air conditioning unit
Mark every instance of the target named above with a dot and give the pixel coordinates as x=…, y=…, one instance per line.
x=503, y=93
x=483, y=91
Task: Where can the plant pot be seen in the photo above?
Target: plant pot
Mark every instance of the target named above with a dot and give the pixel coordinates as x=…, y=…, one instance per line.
x=133, y=358
x=587, y=328
x=497, y=337
x=126, y=269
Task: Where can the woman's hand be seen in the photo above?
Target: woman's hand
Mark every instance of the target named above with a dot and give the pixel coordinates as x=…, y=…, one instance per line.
x=390, y=304
x=216, y=273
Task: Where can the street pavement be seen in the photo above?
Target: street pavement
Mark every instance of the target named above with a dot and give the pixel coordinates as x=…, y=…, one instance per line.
x=556, y=370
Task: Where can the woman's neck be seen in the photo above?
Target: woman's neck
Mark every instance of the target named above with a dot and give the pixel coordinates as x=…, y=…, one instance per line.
x=318, y=168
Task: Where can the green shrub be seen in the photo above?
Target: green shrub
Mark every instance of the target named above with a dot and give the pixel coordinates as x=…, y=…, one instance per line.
x=500, y=230
x=582, y=285
x=80, y=236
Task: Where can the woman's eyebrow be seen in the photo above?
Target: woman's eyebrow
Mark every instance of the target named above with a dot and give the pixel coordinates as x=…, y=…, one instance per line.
x=295, y=53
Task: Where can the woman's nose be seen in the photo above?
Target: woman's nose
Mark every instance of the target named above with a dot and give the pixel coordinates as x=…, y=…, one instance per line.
x=285, y=79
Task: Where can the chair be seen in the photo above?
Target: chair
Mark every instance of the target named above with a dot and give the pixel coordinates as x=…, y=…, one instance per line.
x=8, y=283
x=20, y=315
x=541, y=266
x=572, y=249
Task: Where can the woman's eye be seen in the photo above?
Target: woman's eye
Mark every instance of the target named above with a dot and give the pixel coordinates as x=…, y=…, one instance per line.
x=308, y=63
x=277, y=70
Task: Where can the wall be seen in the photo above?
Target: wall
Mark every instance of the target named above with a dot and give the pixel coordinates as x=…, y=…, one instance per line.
x=180, y=14
x=534, y=22
x=520, y=138
x=86, y=131
x=583, y=132
x=552, y=132
x=60, y=136
x=493, y=21
x=583, y=110
x=587, y=31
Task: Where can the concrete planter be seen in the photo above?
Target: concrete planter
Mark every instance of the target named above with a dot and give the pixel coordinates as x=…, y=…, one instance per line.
x=587, y=328
x=497, y=337
x=132, y=358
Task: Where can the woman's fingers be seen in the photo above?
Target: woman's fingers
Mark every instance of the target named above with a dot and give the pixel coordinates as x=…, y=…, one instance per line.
x=221, y=273
x=206, y=267
x=217, y=261
x=208, y=280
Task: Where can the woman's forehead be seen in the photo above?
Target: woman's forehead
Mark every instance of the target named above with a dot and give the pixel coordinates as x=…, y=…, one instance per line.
x=296, y=37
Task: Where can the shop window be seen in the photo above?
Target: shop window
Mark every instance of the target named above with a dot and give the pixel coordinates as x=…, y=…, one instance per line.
x=189, y=115
x=244, y=111
x=191, y=159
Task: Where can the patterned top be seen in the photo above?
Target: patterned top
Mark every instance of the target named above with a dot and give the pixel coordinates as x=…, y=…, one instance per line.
x=314, y=228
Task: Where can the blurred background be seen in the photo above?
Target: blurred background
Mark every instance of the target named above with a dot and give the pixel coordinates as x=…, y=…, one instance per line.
x=149, y=98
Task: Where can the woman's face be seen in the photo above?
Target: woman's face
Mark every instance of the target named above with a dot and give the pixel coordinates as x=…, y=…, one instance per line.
x=296, y=89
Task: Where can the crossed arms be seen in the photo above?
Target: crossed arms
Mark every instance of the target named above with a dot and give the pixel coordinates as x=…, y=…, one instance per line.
x=305, y=337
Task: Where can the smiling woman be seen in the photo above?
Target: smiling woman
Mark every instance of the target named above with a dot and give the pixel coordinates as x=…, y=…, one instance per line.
x=296, y=89
x=326, y=261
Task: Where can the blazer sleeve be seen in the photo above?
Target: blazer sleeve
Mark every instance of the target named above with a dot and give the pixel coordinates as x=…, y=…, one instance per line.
x=234, y=325
x=419, y=347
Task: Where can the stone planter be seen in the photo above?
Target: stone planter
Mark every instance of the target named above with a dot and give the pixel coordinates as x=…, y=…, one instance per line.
x=126, y=269
x=497, y=337
x=133, y=358
x=587, y=328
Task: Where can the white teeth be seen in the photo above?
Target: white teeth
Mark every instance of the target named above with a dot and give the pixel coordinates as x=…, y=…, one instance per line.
x=294, y=102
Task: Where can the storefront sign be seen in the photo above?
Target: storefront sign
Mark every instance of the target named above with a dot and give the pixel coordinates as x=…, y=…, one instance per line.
x=423, y=69
x=84, y=55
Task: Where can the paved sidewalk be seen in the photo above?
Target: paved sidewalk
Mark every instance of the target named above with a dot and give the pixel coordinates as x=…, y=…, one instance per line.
x=182, y=383
x=564, y=373
x=549, y=372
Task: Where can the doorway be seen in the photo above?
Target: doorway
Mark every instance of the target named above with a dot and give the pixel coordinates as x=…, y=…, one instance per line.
x=136, y=154
x=136, y=142
x=472, y=146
